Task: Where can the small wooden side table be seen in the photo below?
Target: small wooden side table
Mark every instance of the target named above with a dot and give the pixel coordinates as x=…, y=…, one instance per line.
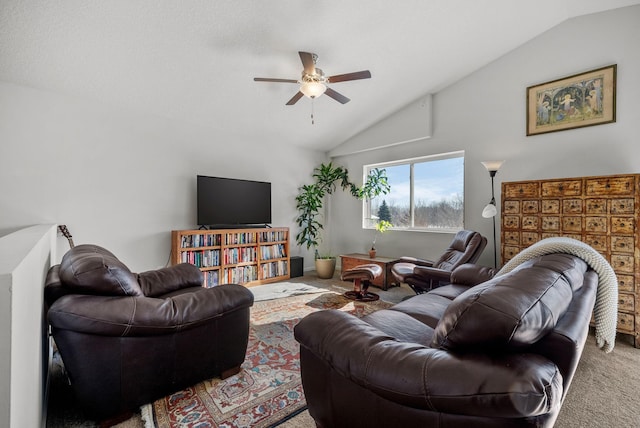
x=384, y=281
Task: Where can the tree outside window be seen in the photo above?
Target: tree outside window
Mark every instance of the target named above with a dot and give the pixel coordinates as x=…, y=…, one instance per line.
x=427, y=193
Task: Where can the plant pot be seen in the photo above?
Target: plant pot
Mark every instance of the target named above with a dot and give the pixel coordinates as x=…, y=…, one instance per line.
x=325, y=267
x=372, y=254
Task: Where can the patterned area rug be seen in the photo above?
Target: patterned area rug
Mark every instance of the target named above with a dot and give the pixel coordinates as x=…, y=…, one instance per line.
x=268, y=390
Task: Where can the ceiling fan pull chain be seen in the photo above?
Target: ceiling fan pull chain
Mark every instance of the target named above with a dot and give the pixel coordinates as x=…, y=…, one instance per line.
x=312, y=121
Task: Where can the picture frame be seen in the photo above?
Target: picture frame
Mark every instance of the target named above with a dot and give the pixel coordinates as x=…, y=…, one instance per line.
x=576, y=101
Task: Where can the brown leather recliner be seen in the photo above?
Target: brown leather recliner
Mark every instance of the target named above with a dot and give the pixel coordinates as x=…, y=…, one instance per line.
x=483, y=351
x=424, y=275
x=127, y=339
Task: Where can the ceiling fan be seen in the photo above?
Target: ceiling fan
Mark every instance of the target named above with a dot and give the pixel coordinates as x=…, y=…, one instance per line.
x=313, y=82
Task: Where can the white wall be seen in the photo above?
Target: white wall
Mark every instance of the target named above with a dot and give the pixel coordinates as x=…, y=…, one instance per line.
x=485, y=115
x=410, y=123
x=125, y=180
x=25, y=257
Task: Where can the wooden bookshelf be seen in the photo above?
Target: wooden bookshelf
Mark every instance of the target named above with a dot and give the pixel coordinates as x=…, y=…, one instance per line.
x=234, y=256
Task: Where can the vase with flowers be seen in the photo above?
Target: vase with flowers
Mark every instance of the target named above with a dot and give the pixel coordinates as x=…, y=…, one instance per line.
x=381, y=227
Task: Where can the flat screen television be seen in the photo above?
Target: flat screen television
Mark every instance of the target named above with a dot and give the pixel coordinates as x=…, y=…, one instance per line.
x=229, y=202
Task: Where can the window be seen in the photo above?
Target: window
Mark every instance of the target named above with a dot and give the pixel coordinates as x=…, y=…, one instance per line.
x=427, y=193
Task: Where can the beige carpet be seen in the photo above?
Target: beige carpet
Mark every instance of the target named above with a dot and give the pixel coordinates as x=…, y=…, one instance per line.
x=604, y=391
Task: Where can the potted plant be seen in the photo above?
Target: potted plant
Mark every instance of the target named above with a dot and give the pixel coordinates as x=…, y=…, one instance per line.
x=311, y=200
x=381, y=227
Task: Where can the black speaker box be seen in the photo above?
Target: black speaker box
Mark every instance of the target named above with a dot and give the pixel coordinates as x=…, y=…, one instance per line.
x=296, y=266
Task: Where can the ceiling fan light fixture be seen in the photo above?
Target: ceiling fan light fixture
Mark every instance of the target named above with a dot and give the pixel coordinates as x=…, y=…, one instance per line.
x=313, y=82
x=312, y=89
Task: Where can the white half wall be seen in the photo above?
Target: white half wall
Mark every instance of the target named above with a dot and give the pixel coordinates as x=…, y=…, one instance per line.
x=25, y=258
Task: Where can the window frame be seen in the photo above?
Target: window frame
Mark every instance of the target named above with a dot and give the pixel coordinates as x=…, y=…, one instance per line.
x=366, y=204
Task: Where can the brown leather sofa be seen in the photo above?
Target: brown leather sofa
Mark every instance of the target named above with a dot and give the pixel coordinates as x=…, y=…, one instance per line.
x=127, y=339
x=484, y=351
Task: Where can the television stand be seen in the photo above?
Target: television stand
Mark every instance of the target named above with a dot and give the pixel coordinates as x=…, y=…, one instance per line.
x=240, y=255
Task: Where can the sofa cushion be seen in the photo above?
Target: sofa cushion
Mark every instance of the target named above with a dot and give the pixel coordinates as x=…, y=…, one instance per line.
x=427, y=308
x=401, y=326
x=90, y=269
x=512, y=310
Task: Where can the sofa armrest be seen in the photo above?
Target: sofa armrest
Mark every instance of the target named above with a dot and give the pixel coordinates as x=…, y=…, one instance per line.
x=415, y=261
x=431, y=273
x=53, y=288
x=162, y=281
x=478, y=384
x=471, y=274
x=147, y=316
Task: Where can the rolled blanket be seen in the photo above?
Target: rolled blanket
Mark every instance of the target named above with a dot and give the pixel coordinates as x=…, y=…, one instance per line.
x=606, y=306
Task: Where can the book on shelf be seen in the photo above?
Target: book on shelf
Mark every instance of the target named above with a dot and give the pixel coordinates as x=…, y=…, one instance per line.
x=273, y=236
x=201, y=259
x=200, y=240
x=211, y=278
x=275, y=251
x=274, y=269
x=239, y=254
x=240, y=274
x=240, y=238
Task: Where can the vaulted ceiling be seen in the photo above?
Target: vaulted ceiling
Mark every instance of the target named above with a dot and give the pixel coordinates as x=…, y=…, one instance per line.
x=194, y=61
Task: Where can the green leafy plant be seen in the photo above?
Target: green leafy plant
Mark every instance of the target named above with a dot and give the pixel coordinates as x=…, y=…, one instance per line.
x=381, y=227
x=311, y=198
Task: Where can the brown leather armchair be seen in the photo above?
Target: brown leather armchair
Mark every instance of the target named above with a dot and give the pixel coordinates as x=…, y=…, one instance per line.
x=127, y=339
x=424, y=275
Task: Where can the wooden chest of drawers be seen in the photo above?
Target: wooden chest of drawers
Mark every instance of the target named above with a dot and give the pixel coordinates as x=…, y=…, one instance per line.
x=600, y=211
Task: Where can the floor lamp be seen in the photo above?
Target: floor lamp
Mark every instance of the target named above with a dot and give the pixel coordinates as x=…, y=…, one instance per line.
x=490, y=211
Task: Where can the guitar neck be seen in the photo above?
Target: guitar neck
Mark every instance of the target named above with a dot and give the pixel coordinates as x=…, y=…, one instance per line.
x=65, y=232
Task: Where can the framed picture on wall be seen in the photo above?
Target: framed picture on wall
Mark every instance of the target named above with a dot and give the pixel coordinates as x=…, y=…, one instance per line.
x=583, y=99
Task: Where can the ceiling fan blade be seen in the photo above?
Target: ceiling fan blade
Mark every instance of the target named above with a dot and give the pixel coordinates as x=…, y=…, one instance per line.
x=365, y=74
x=268, y=79
x=295, y=98
x=307, y=62
x=336, y=96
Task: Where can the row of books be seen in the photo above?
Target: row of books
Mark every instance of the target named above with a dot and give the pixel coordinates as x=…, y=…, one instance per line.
x=240, y=238
x=200, y=240
x=201, y=259
x=275, y=251
x=211, y=278
x=244, y=274
x=215, y=239
x=273, y=236
x=240, y=274
x=270, y=270
x=239, y=254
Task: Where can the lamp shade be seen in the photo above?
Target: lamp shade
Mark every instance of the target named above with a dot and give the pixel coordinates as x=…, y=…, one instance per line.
x=489, y=211
x=312, y=89
x=492, y=166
